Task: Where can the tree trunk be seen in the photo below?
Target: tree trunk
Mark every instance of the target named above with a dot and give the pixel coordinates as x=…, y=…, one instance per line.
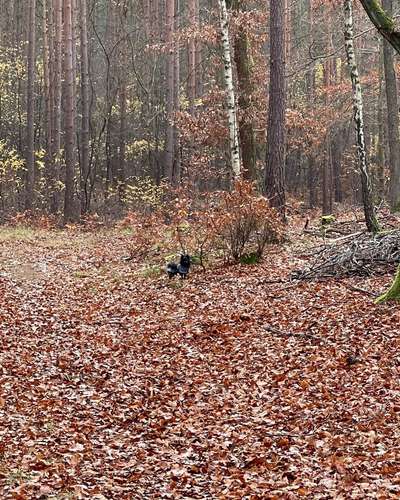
x=85, y=109
x=229, y=89
x=275, y=158
x=383, y=22
x=48, y=54
x=244, y=73
x=170, y=61
x=56, y=148
x=191, y=80
x=369, y=211
x=199, y=56
x=392, y=119
x=312, y=183
x=327, y=205
x=394, y=291
x=176, y=178
x=69, y=115
x=30, y=135
x=380, y=148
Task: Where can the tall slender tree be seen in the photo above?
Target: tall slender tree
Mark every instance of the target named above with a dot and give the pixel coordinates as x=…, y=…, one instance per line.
x=30, y=135
x=56, y=84
x=393, y=121
x=69, y=113
x=229, y=89
x=244, y=69
x=85, y=121
x=369, y=210
x=276, y=138
x=170, y=62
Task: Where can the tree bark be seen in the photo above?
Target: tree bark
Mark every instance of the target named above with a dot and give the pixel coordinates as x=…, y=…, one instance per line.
x=392, y=119
x=394, y=291
x=170, y=61
x=30, y=136
x=383, y=22
x=57, y=74
x=229, y=89
x=276, y=138
x=369, y=210
x=244, y=73
x=176, y=177
x=191, y=81
x=69, y=114
x=48, y=55
x=85, y=109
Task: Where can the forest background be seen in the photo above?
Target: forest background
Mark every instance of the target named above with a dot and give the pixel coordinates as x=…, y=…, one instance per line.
x=103, y=112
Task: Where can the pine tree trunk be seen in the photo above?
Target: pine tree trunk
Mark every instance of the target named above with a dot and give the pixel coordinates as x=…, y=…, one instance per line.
x=380, y=148
x=369, y=211
x=244, y=73
x=176, y=178
x=170, y=61
x=199, y=56
x=48, y=94
x=69, y=114
x=57, y=72
x=30, y=135
x=191, y=80
x=85, y=109
x=229, y=89
x=276, y=139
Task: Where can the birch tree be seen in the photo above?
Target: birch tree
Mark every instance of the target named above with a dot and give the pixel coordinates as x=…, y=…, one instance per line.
x=358, y=114
x=229, y=89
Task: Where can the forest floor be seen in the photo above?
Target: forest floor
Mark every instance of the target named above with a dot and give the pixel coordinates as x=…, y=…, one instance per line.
x=117, y=383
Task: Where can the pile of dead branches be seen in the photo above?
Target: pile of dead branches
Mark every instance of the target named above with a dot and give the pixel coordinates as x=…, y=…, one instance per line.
x=355, y=255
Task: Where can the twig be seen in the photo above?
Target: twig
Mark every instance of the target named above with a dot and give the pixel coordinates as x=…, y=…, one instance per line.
x=282, y=333
x=361, y=290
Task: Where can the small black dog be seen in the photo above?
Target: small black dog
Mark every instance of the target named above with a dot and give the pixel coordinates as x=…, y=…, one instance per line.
x=182, y=268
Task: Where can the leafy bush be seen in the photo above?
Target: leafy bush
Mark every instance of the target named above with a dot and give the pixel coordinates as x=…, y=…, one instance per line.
x=239, y=223
x=148, y=234
x=244, y=223
x=143, y=194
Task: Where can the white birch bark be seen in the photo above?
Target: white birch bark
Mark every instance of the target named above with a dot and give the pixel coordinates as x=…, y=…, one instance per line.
x=230, y=93
x=358, y=114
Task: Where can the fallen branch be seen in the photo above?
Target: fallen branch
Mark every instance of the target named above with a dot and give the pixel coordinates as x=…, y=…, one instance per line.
x=357, y=255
